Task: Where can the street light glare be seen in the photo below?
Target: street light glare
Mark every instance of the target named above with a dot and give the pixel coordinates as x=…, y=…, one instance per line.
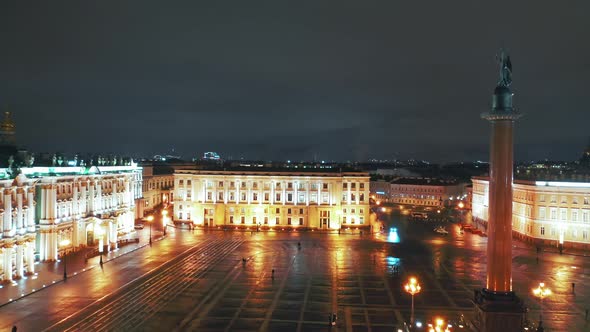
x=541, y=291
x=150, y=218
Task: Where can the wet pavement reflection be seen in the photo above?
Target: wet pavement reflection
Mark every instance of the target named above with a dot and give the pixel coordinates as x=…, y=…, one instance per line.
x=290, y=281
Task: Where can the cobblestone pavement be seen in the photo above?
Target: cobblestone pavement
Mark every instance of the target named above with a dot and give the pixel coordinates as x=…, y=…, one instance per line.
x=359, y=278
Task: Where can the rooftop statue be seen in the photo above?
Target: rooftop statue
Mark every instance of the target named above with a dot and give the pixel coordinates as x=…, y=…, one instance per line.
x=505, y=69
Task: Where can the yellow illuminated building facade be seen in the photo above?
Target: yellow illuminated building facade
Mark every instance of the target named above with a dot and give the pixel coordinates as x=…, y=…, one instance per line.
x=553, y=212
x=272, y=199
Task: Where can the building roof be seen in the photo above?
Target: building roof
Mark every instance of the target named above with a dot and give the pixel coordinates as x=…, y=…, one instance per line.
x=264, y=171
x=425, y=181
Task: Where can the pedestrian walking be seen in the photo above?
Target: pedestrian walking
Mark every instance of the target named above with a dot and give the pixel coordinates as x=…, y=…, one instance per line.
x=273, y=273
x=14, y=326
x=586, y=315
x=573, y=287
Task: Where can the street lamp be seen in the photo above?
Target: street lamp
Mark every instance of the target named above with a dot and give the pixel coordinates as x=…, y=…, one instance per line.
x=541, y=292
x=100, y=234
x=412, y=287
x=149, y=220
x=63, y=244
x=164, y=221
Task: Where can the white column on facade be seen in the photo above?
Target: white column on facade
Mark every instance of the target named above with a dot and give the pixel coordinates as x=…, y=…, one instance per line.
x=284, y=196
x=204, y=183
x=75, y=201
x=107, y=234
x=30, y=256
x=358, y=193
x=91, y=197
x=19, y=261
x=307, y=189
x=114, y=198
x=99, y=201
x=20, y=218
x=128, y=195
x=225, y=193
x=272, y=192
x=54, y=244
x=249, y=191
x=319, y=199
x=113, y=230
x=83, y=203
x=75, y=233
x=7, y=264
x=7, y=212
x=348, y=192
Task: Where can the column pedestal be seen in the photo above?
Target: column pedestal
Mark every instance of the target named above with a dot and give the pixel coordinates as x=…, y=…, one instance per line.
x=498, y=311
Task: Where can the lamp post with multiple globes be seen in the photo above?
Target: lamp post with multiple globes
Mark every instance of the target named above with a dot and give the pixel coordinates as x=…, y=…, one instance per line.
x=541, y=292
x=413, y=288
x=63, y=244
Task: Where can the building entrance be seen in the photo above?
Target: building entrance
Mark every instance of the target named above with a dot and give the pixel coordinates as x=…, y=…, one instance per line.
x=325, y=219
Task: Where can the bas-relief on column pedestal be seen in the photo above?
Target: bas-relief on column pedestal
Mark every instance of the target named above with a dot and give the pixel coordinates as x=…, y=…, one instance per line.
x=503, y=312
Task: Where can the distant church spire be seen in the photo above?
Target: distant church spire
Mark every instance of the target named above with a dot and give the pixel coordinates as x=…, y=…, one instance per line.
x=7, y=130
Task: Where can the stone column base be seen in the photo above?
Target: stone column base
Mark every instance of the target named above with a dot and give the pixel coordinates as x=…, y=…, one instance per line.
x=498, y=311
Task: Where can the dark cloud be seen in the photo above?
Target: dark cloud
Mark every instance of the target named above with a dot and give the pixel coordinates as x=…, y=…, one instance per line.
x=340, y=80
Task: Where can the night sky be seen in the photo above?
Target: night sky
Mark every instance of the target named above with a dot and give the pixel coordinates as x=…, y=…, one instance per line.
x=330, y=80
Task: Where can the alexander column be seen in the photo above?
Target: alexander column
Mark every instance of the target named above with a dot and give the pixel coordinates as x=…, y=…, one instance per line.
x=497, y=306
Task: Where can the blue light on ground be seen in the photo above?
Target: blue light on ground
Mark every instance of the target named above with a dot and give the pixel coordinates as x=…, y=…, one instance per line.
x=393, y=237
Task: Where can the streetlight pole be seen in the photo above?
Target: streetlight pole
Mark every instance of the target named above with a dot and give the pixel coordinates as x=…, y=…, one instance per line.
x=541, y=292
x=65, y=243
x=150, y=219
x=413, y=288
x=100, y=234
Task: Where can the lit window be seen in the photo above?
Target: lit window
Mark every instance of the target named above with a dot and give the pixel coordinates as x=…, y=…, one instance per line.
x=542, y=230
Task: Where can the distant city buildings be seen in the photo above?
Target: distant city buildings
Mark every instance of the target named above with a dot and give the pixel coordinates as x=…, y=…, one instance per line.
x=158, y=188
x=426, y=192
x=272, y=198
x=211, y=156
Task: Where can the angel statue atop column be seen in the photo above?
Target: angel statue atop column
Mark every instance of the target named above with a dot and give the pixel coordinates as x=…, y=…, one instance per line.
x=505, y=69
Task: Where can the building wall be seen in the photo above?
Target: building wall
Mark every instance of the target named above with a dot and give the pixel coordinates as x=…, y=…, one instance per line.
x=380, y=190
x=17, y=226
x=271, y=199
x=425, y=194
x=552, y=212
x=156, y=190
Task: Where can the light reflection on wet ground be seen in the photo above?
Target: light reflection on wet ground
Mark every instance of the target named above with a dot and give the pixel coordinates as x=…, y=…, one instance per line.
x=360, y=278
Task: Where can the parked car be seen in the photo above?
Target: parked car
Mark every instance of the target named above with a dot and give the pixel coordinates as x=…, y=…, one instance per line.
x=139, y=226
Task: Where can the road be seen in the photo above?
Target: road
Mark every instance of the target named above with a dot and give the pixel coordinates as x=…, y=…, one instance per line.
x=199, y=281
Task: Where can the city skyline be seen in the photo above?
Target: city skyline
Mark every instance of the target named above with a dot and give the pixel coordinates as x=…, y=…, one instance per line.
x=344, y=82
